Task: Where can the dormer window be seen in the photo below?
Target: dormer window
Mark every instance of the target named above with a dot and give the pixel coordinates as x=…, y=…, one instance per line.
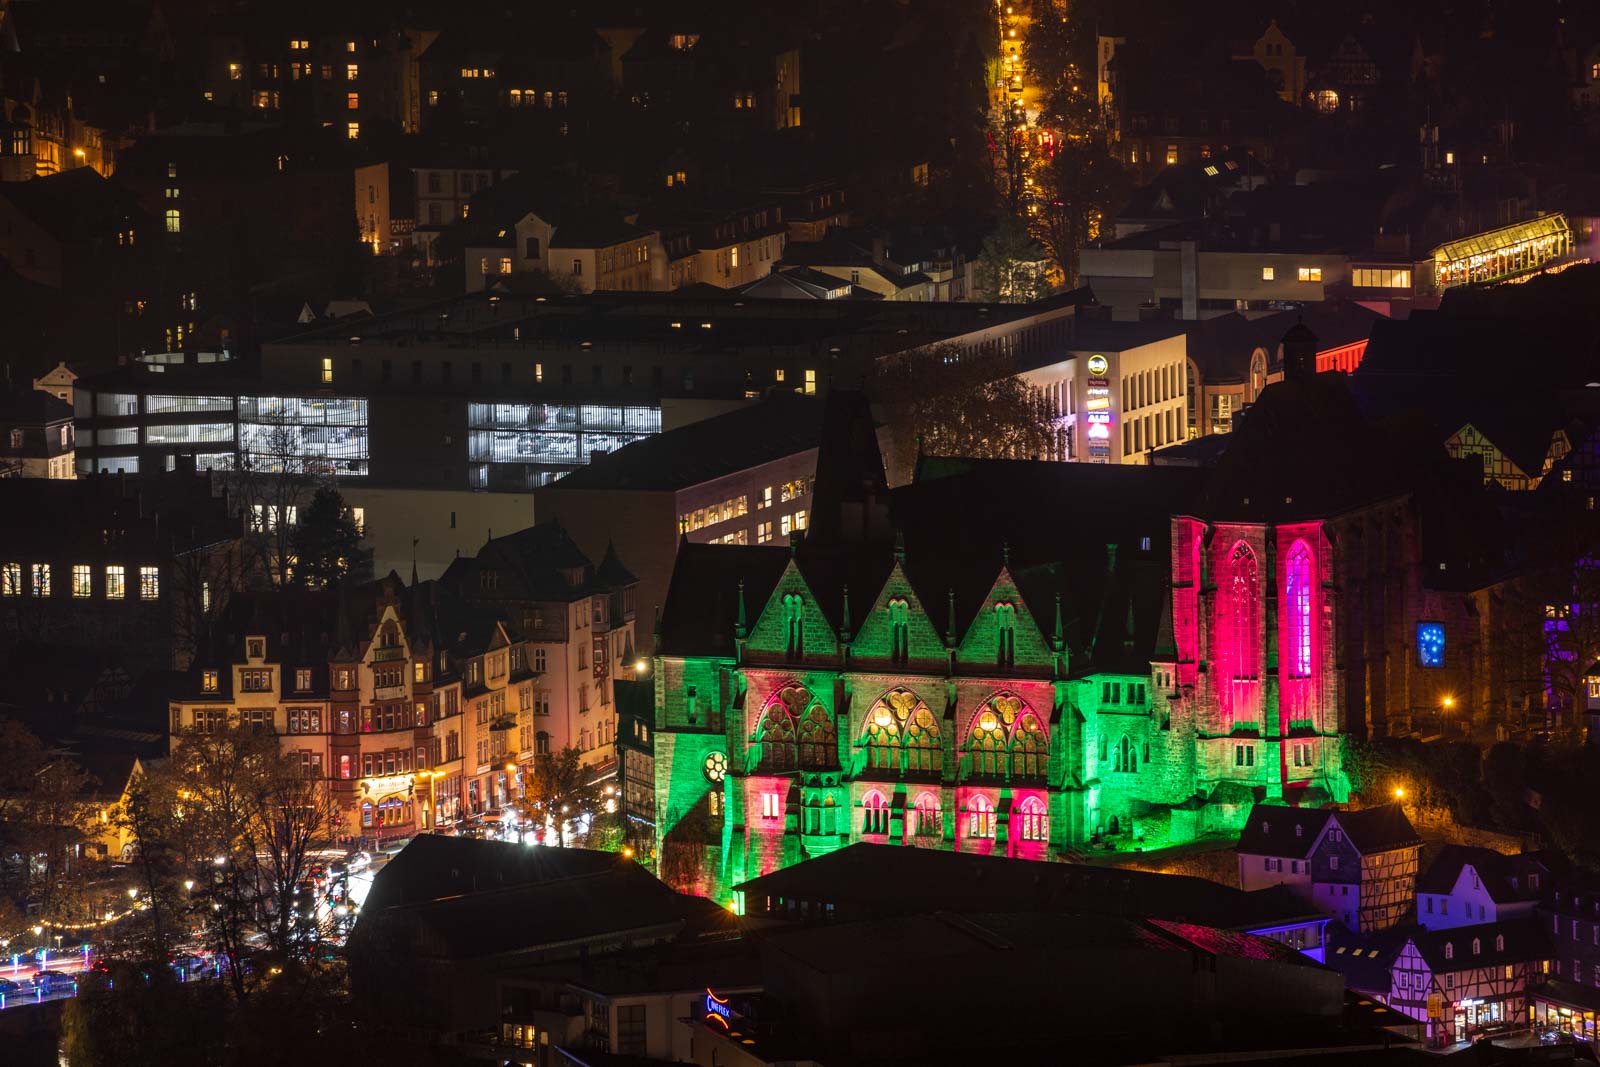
x=1266, y=827
x=302, y=679
x=1299, y=831
x=208, y=681
x=256, y=647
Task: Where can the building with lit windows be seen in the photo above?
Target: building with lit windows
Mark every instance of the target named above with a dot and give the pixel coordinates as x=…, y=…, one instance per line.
x=36, y=435
x=545, y=684
x=1137, y=657
x=687, y=484
x=1525, y=248
x=110, y=563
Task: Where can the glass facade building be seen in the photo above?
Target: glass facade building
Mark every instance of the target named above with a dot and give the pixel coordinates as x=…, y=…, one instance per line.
x=532, y=444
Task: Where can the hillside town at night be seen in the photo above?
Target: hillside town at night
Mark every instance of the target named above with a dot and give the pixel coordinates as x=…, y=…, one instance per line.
x=904, y=533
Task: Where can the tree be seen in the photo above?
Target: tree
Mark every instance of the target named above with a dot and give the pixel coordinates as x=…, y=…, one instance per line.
x=1079, y=186
x=270, y=478
x=1012, y=268
x=1058, y=55
x=241, y=821
x=945, y=402
x=43, y=821
x=561, y=790
x=327, y=543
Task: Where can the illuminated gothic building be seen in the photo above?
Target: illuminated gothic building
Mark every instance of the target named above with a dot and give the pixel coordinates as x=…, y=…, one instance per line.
x=1031, y=659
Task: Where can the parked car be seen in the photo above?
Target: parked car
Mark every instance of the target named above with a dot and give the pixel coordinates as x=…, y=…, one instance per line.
x=9, y=988
x=48, y=982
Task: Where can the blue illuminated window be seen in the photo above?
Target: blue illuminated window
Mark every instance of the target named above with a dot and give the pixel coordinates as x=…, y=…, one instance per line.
x=1430, y=644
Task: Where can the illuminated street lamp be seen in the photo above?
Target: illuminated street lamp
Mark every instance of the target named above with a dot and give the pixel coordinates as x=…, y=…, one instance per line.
x=1399, y=793
x=1449, y=702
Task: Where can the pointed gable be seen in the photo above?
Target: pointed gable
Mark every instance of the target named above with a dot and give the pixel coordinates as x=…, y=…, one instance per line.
x=792, y=598
x=898, y=600
x=1003, y=608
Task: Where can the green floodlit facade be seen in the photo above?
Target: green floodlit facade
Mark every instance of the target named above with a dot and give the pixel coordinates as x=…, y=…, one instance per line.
x=800, y=714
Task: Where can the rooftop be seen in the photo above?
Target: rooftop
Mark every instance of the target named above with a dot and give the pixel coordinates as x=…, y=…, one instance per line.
x=785, y=424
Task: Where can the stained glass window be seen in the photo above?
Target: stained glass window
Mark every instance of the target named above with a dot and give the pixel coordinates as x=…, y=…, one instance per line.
x=1430, y=644
x=1297, y=590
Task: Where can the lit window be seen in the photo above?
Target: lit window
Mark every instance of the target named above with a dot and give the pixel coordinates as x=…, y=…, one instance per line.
x=1430, y=644
x=1298, y=590
x=81, y=582
x=327, y=369
x=733, y=256
x=234, y=72
x=352, y=130
x=352, y=101
x=1268, y=274
x=349, y=46
x=149, y=583
x=505, y=264
x=116, y=582
x=41, y=579
x=208, y=681
x=1449, y=158
x=433, y=98
x=1310, y=274
x=174, y=220
x=777, y=375
x=811, y=382
x=11, y=579
x=980, y=817
x=771, y=806
x=1172, y=155
x=352, y=72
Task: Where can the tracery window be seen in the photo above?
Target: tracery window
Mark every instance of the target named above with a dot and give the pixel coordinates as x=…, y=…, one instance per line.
x=901, y=723
x=1028, y=750
x=930, y=821
x=1127, y=757
x=980, y=817
x=875, y=814
x=819, y=742
x=1297, y=592
x=775, y=735
x=987, y=745
x=1035, y=823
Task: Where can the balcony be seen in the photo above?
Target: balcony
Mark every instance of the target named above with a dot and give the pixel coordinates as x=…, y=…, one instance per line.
x=388, y=654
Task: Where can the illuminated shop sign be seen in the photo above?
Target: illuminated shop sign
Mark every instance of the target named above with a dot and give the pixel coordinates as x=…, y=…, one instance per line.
x=1099, y=425
x=378, y=787
x=717, y=1010
x=1098, y=365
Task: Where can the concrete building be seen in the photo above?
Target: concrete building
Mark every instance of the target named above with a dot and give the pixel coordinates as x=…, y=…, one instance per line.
x=689, y=485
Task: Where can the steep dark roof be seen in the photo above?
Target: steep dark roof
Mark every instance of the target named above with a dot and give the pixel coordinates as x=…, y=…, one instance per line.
x=530, y=564
x=890, y=879
x=462, y=898
x=1524, y=940
x=702, y=602
x=1378, y=829
x=26, y=406
x=1279, y=830
x=784, y=424
x=1504, y=877
x=73, y=204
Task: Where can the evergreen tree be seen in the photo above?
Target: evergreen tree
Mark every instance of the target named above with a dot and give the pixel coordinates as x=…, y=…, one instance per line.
x=1012, y=268
x=327, y=543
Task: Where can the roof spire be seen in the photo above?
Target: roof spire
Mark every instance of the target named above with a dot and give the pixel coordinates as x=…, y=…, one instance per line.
x=739, y=628
x=844, y=625
x=1005, y=553
x=950, y=619
x=414, y=542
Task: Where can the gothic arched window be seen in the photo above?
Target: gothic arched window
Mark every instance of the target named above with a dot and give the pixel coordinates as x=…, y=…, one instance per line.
x=1127, y=758
x=929, y=820
x=987, y=745
x=1297, y=595
x=1028, y=755
x=775, y=735
x=923, y=754
x=980, y=817
x=1244, y=644
x=1035, y=823
x=875, y=818
x=819, y=742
